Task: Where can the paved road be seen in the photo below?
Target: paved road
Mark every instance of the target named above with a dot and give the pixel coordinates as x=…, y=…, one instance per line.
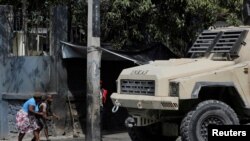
x=117, y=137
x=110, y=137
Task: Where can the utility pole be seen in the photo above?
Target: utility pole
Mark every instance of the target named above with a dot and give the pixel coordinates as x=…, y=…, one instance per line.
x=93, y=132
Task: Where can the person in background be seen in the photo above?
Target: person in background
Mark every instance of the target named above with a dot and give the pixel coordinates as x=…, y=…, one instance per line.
x=103, y=99
x=45, y=108
x=43, y=119
x=48, y=108
x=26, y=120
x=103, y=94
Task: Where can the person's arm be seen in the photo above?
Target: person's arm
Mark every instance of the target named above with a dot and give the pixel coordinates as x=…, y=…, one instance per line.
x=54, y=115
x=32, y=110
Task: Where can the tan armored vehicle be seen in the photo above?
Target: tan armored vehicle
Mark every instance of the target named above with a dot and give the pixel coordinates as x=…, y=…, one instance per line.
x=183, y=96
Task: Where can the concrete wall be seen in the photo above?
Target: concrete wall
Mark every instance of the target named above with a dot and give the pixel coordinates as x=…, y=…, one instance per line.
x=6, y=33
x=5, y=44
x=20, y=77
x=24, y=75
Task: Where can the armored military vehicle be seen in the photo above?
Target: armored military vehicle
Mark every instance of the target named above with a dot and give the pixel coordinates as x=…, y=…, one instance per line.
x=168, y=98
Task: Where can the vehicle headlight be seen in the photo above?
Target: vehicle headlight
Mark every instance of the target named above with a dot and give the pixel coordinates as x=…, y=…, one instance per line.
x=174, y=89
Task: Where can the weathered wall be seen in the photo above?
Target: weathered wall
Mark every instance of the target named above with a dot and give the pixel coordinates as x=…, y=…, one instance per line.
x=20, y=77
x=24, y=75
x=59, y=32
x=5, y=43
x=6, y=33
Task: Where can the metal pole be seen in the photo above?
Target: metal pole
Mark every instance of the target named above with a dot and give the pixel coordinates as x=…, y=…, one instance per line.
x=93, y=132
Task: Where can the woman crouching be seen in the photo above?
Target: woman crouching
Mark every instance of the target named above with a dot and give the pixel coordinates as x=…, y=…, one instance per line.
x=26, y=117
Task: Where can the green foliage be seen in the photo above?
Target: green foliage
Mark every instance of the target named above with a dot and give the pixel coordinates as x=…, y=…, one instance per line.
x=139, y=23
x=200, y=14
x=175, y=23
x=124, y=23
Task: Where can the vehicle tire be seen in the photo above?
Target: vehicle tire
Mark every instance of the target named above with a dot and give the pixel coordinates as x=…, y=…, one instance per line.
x=211, y=112
x=146, y=133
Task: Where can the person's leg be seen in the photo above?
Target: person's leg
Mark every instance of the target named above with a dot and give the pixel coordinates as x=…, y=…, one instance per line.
x=45, y=128
x=46, y=132
x=20, y=136
x=40, y=129
x=36, y=134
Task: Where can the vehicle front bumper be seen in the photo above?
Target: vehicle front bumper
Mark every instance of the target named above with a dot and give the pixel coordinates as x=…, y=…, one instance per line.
x=145, y=102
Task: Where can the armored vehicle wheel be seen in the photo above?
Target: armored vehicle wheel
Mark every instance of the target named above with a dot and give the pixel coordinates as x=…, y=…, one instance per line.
x=210, y=112
x=148, y=133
